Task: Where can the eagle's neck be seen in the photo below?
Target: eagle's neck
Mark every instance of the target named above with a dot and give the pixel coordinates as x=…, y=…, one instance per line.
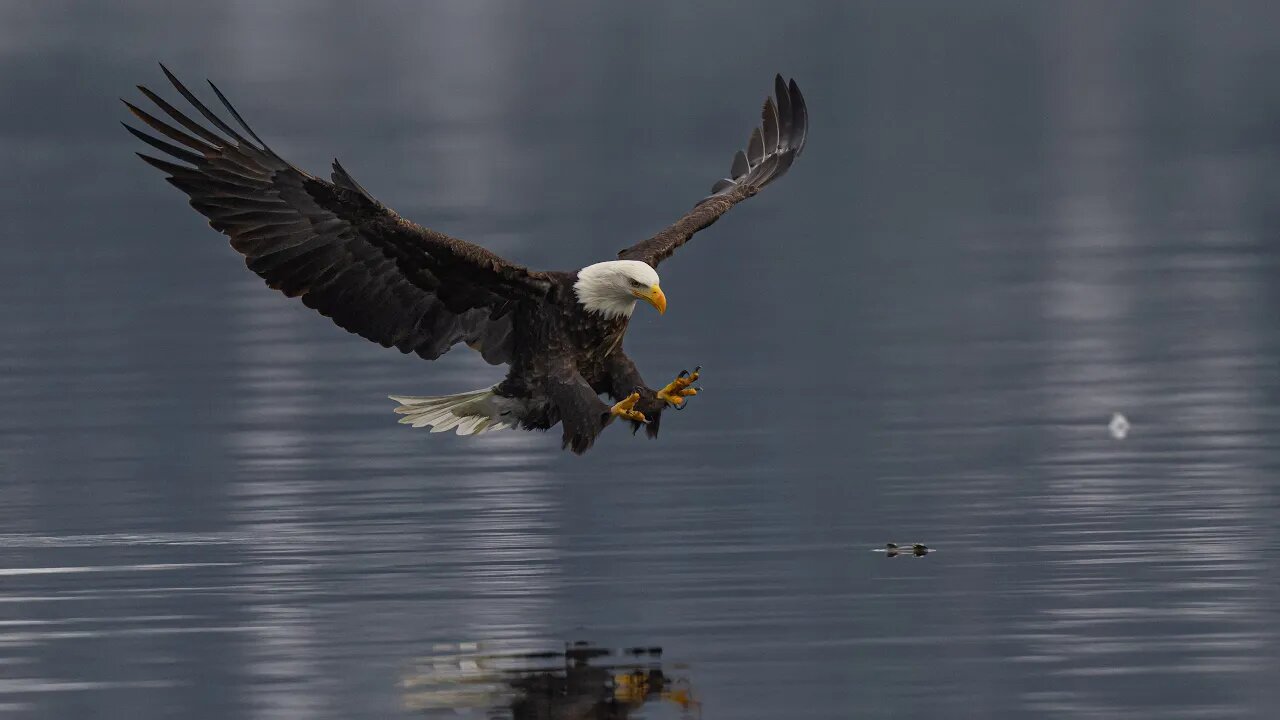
x=603, y=297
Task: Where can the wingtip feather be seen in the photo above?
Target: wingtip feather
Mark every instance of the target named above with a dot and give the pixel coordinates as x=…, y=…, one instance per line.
x=775, y=144
x=800, y=113
x=163, y=166
x=162, y=146
x=769, y=114
x=204, y=109
x=231, y=109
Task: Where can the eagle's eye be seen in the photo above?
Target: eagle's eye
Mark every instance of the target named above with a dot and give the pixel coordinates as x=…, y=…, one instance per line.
x=636, y=283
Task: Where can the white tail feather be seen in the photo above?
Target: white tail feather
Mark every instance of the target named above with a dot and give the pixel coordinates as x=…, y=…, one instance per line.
x=469, y=413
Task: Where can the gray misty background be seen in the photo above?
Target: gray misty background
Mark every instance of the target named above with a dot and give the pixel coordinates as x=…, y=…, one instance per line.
x=1012, y=220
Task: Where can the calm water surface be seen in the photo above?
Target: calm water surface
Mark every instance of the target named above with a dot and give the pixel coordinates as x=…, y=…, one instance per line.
x=1011, y=222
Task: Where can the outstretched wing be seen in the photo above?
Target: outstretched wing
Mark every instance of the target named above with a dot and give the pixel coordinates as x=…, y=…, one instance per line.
x=770, y=152
x=333, y=245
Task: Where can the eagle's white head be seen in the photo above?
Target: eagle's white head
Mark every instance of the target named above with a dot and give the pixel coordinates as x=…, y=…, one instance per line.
x=612, y=288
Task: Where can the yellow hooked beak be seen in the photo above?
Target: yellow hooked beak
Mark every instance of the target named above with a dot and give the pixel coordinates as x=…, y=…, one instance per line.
x=653, y=296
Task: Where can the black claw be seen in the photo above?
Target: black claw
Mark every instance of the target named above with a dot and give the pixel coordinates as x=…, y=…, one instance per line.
x=683, y=374
x=698, y=389
x=698, y=369
x=681, y=405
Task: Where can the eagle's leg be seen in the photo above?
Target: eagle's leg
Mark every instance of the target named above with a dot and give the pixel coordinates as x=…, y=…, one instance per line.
x=677, y=390
x=625, y=408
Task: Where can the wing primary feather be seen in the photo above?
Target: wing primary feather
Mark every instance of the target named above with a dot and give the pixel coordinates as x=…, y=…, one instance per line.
x=192, y=126
x=227, y=104
x=784, y=111
x=770, y=117
x=168, y=130
x=164, y=166
x=784, y=161
x=767, y=171
x=801, y=115
x=163, y=146
x=342, y=178
x=350, y=257
x=769, y=153
x=755, y=148
x=202, y=108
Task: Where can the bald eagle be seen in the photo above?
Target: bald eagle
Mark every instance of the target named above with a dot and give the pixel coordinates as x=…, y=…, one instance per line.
x=348, y=256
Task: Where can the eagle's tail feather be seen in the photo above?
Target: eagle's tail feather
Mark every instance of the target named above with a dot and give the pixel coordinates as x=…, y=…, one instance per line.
x=468, y=413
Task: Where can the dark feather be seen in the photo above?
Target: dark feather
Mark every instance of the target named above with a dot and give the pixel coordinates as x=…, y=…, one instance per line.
x=755, y=148
x=333, y=244
x=582, y=414
x=201, y=108
x=784, y=106
x=168, y=130
x=769, y=116
x=800, y=119
x=769, y=154
x=227, y=104
x=162, y=165
x=163, y=146
x=186, y=122
x=342, y=179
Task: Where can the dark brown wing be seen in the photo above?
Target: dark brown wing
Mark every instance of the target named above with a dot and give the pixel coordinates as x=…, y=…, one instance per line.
x=770, y=151
x=333, y=245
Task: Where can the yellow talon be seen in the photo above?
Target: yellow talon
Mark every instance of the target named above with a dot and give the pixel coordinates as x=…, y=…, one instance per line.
x=677, y=390
x=625, y=409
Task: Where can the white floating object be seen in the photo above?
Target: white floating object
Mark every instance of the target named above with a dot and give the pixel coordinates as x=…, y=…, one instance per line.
x=1119, y=426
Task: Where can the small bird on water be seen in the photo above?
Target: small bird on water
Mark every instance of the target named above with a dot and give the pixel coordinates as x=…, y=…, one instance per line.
x=917, y=549
x=376, y=274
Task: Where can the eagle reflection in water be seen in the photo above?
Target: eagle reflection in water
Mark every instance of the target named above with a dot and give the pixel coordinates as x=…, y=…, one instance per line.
x=580, y=682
